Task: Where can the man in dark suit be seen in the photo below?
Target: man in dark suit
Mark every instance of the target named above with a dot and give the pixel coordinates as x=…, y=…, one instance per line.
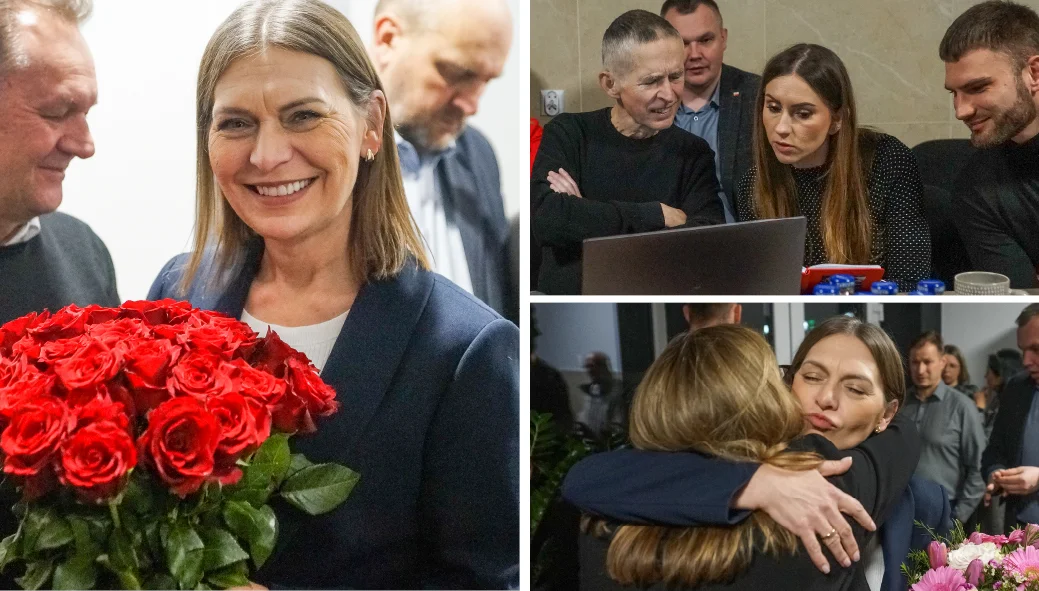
x=1010, y=463
x=717, y=100
x=435, y=59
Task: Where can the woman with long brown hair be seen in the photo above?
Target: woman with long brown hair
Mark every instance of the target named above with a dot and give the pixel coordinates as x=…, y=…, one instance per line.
x=859, y=189
x=718, y=392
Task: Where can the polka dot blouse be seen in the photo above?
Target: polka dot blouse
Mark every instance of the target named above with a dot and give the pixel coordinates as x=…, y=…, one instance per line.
x=901, y=239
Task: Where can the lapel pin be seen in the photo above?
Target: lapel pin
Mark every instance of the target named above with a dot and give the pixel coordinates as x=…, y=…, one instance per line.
x=736, y=93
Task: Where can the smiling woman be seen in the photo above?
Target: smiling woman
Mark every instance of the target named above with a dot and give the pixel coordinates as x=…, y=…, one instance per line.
x=303, y=228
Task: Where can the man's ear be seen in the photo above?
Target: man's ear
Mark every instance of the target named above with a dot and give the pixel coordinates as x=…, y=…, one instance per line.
x=386, y=38
x=608, y=83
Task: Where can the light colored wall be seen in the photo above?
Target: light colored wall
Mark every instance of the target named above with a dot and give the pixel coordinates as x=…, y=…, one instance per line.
x=980, y=330
x=890, y=48
x=571, y=331
x=137, y=192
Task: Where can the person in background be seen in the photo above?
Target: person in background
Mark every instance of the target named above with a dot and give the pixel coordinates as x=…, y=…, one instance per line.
x=1010, y=464
x=991, y=55
x=48, y=259
x=717, y=99
x=1002, y=365
x=950, y=427
x=626, y=168
x=435, y=58
x=955, y=374
x=303, y=227
x=702, y=315
x=859, y=189
x=596, y=416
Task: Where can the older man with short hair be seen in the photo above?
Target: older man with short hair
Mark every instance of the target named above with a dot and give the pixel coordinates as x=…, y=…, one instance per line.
x=435, y=58
x=623, y=169
x=47, y=85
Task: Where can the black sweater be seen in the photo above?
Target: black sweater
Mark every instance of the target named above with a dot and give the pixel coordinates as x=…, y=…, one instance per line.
x=65, y=264
x=622, y=180
x=880, y=472
x=996, y=209
x=901, y=239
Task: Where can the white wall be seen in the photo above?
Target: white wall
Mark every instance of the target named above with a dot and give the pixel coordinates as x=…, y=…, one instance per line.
x=980, y=330
x=137, y=192
x=571, y=331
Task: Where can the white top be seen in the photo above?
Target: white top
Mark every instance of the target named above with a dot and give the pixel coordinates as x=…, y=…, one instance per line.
x=26, y=233
x=315, y=341
x=873, y=563
x=440, y=232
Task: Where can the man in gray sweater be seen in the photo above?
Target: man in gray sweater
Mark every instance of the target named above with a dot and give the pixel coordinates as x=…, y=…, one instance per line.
x=47, y=85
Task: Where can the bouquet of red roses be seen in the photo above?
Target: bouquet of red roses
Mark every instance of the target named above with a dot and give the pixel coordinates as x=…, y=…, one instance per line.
x=146, y=441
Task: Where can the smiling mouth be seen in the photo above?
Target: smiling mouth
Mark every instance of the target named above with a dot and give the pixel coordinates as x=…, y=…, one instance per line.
x=665, y=111
x=281, y=190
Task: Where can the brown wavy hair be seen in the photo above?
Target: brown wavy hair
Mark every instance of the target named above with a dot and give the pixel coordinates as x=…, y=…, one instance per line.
x=383, y=234
x=847, y=225
x=716, y=391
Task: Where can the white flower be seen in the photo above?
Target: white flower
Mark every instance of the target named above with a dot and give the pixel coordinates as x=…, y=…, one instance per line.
x=961, y=557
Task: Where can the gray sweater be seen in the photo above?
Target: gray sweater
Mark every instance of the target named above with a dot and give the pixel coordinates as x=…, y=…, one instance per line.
x=65, y=264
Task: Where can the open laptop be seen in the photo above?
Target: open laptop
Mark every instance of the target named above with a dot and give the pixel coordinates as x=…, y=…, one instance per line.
x=762, y=257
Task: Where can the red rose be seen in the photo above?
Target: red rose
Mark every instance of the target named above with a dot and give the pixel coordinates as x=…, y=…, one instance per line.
x=165, y=311
x=13, y=331
x=92, y=365
x=119, y=334
x=98, y=315
x=102, y=410
x=30, y=384
x=52, y=351
x=200, y=374
x=307, y=397
x=212, y=338
x=180, y=442
x=148, y=367
x=13, y=370
x=245, y=424
x=257, y=384
x=97, y=460
x=68, y=322
x=37, y=430
x=27, y=347
x=271, y=353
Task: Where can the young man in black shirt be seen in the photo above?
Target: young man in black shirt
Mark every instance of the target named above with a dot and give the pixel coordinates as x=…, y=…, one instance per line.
x=624, y=169
x=991, y=55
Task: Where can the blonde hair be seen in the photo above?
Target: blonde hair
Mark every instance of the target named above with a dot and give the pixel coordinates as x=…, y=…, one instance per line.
x=716, y=391
x=383, y=234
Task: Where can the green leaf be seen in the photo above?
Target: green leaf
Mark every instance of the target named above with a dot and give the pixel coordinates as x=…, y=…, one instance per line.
x=55, y=533
x=258, y=527
x=9, y=550
x=273, y=458
x=37, y=573
x=236, y=575
x=184, y=553
x=160, y=581
x=299, y=461
x=319, y=488
x=221, y=550
x=75, y=573
x=122, y=555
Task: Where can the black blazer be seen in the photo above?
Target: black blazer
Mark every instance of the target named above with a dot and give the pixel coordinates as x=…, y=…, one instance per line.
x=736, y=119
x=427, y=379
x=1004, y=445
x=468, y=180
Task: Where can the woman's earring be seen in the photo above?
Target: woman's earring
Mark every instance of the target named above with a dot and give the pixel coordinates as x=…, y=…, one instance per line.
x=877, y=430
x=369, y=156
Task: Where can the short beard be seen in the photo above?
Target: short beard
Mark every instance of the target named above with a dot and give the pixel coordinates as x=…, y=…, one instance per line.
x=418, y=134
x=1009, y=123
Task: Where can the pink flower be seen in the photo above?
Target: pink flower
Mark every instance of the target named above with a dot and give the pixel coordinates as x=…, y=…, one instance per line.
x=1016, y=537
x=941, y=579
x=1024, y=561
x=974, y=572
x=980, y=538
x=937, y=554
x=1031, y=534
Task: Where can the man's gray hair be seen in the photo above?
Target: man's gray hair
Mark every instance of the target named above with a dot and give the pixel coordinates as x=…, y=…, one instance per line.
x=1030, y=312
x=628, y=31
x=75, y=11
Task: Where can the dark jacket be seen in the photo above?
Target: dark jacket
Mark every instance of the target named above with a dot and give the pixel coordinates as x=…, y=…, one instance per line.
x=468, y=180
x=428, y=384
x=737, y=115
x=1004, y=446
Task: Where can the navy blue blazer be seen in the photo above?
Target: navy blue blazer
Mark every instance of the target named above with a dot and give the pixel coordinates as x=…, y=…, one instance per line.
x=690, y=489
x=427, y=378
x=468, y=180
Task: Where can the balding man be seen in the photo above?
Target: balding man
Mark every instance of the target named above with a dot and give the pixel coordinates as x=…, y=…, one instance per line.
x=435, y=59
x=47, y=85
x=702, y=315
x=623, y=169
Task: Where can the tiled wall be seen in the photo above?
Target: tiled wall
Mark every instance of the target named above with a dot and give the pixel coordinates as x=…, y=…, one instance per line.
x=889, y=46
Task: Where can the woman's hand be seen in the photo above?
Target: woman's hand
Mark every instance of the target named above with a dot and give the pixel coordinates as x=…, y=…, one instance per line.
x=810, y=507
x=981, y=398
